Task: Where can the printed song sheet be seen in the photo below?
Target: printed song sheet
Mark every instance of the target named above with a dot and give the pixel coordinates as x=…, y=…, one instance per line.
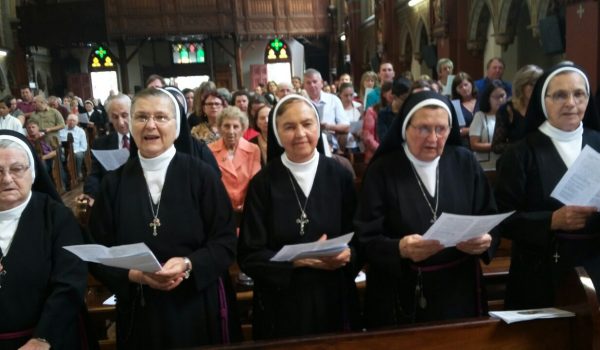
x=111, y=159
x=131, y=256
x=316, y=249
x=581, y=183
x=531, y=314
x=451, y=229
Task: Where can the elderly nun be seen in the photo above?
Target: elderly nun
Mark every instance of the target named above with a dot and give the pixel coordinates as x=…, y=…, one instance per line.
x=419, y=172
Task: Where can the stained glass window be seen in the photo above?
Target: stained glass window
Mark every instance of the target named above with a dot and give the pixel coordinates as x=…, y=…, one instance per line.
x=101, y=59
x=277, y=50
x=188, y=52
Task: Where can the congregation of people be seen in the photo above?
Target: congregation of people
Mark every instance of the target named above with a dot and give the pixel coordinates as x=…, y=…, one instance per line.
x=214, y=178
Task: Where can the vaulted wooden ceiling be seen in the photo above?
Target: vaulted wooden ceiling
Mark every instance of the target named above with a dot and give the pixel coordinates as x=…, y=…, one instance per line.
x=75, y=22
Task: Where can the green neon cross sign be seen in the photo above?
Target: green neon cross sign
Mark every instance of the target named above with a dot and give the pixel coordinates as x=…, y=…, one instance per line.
x=100, y=52
x=276, y=44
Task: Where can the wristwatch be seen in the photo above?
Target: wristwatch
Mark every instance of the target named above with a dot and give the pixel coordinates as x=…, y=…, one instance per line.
x=188, y=267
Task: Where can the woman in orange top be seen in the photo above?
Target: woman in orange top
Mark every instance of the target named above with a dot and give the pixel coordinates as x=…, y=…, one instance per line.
x=238, y=159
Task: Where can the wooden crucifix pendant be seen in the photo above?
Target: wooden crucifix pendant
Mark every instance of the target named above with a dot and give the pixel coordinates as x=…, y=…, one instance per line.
x=155, y=224
x=302, y=220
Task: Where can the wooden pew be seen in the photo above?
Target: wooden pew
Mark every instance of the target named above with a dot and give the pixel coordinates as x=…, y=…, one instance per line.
x=580, y=332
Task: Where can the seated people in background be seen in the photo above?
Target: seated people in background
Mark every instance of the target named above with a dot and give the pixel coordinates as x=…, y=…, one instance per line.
x=238, y=159
x=16, y=112
x=54, y=102
x=79, y=141
x=42, y=284
x=510, y=118
x=176, y=204
x=386, y=73
x=420, y=171
x=370, y=135
x=45, y=152
x=212, y=105
x=48, y=119
x=96, y=118
x=117, y=109
x=261, y=120
x=401, y=88
x=300, y=196
x=368, y=81
x=464, y=90
x=331, y=112
x=241, y=99
x=155, y=81
x=549, y=238
x=353, y=111
x=7, y=121
x=444, y=68
x=482, y=127
x=494, y=71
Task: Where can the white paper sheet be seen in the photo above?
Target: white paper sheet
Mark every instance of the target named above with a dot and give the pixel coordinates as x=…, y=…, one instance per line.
x=531, y=314
x=451, y=229
x=111, y=159
x=316, y=249
x=131, y=256
x=581, y=183
x=111, y=301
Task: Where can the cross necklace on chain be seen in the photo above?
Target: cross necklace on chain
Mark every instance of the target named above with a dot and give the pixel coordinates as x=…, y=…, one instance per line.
x=437, y=192
x=303, y=219
x=155, y=223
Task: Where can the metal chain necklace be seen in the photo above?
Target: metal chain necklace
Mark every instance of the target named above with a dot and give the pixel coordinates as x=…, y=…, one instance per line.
x=155, y=223
x=437, y=192
x=303, y=219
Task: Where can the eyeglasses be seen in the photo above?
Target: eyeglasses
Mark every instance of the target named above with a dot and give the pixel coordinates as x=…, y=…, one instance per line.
x=425, y=131
x=213, y=104
x=143, y=119
x=562, y=96
x=16, y=171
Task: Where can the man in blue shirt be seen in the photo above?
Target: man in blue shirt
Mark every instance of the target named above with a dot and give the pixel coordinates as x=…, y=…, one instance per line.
x=386, y=73
x=495, y=69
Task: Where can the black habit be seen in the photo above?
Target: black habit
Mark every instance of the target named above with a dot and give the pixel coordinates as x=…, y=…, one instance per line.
x=196, y=222
x=292, y=301
x=44, y=287
x=527, y=175
x=392, y=206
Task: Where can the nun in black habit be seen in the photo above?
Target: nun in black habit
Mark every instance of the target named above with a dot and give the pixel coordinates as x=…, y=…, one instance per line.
x=300, y=196
x=176, y=204
x=547, y=236
x=42, y=285
x=420, y=171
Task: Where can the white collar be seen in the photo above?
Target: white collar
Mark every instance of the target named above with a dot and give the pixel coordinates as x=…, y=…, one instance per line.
x=427, y=171
x=15, y=213
x=304, y=173
x=159, y=162
x=560, y=135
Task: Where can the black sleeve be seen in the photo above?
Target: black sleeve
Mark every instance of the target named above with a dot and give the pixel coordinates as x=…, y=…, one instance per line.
x=68, y=279
x=206, y=155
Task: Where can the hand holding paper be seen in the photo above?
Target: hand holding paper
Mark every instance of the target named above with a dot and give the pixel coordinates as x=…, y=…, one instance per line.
x=131, y=256
x=451, y=229
x=318, y=249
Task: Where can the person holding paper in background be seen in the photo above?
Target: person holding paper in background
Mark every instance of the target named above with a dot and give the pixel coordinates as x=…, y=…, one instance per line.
x=547, y=236
x=299, y=197
x=42, y=286
x=167, y=198
x=419, y=171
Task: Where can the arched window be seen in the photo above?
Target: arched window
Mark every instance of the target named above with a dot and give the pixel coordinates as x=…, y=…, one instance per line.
x=101, y=59
x=277, y=51
x=278, y=58
x=188, y=52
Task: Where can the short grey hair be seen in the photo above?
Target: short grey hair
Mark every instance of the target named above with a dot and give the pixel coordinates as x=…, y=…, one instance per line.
x=444, y=61
x=310, y=72
x=232, y=112
x=117, y=98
